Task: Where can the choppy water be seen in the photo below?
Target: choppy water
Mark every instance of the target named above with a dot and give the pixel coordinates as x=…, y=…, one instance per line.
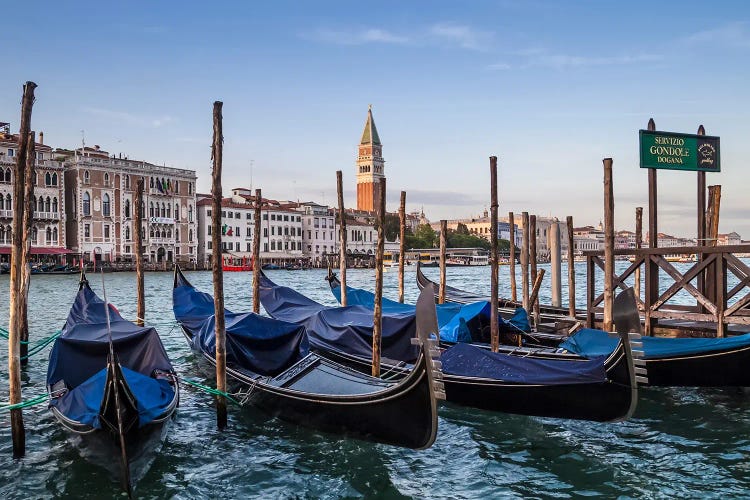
x=681, y=442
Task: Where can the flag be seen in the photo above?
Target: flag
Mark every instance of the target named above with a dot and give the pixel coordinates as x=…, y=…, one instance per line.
x=223, y=229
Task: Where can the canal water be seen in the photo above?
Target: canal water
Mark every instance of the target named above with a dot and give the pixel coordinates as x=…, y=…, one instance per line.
x=680, y=443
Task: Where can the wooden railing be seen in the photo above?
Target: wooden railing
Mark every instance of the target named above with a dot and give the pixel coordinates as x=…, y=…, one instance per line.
x=711, y=291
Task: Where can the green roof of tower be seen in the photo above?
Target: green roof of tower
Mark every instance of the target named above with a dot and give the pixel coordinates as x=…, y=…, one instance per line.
x=370, y=134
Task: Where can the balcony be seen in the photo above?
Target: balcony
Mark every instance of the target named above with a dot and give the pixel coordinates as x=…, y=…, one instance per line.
x=46, y=215
x=6, y=214
x=161, y=241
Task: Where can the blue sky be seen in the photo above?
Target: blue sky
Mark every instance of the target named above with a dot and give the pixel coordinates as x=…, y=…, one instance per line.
x=549, y=87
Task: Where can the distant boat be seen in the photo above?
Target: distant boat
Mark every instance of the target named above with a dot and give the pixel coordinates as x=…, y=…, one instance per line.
x=234, y=264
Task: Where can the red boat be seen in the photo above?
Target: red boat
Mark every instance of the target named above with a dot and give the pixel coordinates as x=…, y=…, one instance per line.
x=234, y=264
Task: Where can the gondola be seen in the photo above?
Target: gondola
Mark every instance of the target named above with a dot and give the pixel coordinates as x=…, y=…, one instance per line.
x=671, y=362
x=270, y=362
x=525, y=381
x=112, y=386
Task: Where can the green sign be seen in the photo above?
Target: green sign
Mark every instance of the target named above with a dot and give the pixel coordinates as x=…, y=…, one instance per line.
x=679, y=151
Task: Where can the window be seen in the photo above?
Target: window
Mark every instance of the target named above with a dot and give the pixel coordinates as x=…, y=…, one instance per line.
x=190, y=188
x=127, y=248
x=273, y=216
x=176, y=212
x=265, y=247
x=163, y=210
x=237, y=246
x=209, y=230
x=248, y=247
x=249, y=231
x=169, y=210
x=210, y=244
x=105, y=205
x=87, y=230
x=273, y=230
x=106, y=179
x=11, y=152
x=286, y=218
x=106, y=231
x=47, y=204
x=309, y=234
x=86, y=177
x=152, y=182
x=177, y=187
x=265, y=216
x=127, y=209
x=286, y=231
x=127, y=234
x=190, y=236
x=54, y=204
x=236, y=215
x=34, y=235
x=49, y=235
x=86, y=203
x=40, y=205
x=127, y=184
x=47, y=179
x=265, y=233
x=150, y=208
x=208, y=213
x=237, y=231
x=273, y=245
x=249, y=216
x=190, y=213
x=231, y=214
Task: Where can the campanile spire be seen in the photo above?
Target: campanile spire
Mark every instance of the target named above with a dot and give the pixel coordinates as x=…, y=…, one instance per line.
x=370, y=165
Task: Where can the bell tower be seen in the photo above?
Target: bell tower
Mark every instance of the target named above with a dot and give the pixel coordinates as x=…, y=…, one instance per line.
x=370, y=166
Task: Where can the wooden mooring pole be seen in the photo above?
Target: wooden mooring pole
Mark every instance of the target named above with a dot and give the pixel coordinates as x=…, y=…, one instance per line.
x=18, y=433
x=28, y=218
x=555, y=262
x=512, y=262
x=342, y=235
x=377, y=324
x=140, y=301
x=525, y=261
x=651, y=293
x=401, y=245
x=718, y=270
x=609, y=244
x=257, y=261
x=494, y=330
x=443, y=244
x=638, y=245
x=571, y=268
x=533, y=258
x=218, y=274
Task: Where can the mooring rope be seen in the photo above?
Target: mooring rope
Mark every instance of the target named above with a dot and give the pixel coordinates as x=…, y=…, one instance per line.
x=210, y=390
x=25, y=404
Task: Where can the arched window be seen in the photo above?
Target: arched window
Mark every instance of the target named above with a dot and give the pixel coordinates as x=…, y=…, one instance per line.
x=7, y=175
x=86, y=203
x=54, y=179
x=169, y=210
x=8, y=201
x=47, y=204
x=152, y=182
x=49, y=235
x=190, y=236
x=54, y=235
x=127, y=209
x=163, y=210
x=177, y=234
x=151, y=232
x=34, y=234
x=54, y=204
x=127, y=233
x=177, y=187
x=105, y=205
x=40, y=205
x=106, y=179
x=190, y=213
x=176, y=211
x=151, y=209
x=2, y=234
x=127, y=182
x=143, y=209
x=163, y=233
x=169, y=233
x=86, y=177
x=47, y=179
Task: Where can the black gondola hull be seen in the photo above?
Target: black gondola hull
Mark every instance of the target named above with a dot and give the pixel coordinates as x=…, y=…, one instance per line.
x=728, y=368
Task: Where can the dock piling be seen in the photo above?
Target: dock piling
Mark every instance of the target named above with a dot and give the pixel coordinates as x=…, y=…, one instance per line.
x=257, y=261
x=609, y=244
x=28, y=218
x=555, y=261
x=377, y=329
x=533, y=259
x=443, y=244
x=140, y=300
x=342, y=235
x=494, y=331
x=512, y=258
x=638, y=245
x=218, y=274
x=525, y=261
x=401, y=245
x=571, y=268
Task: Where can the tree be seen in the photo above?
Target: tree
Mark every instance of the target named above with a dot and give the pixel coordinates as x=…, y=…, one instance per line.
x=462, y=228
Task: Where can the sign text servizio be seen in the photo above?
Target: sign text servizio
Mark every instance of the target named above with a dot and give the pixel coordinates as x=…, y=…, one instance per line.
x=679, y=151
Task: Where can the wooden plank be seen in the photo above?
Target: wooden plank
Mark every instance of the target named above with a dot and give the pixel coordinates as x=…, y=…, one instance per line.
x=674, y=274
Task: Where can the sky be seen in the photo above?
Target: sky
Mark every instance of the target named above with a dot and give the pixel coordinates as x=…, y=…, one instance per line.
x=549, y=87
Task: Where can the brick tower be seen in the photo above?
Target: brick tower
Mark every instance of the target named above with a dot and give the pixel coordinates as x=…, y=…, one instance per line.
x=370, y=166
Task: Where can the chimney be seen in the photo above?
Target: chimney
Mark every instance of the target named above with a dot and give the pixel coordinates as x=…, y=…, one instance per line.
x=96, y=147
x=41, y=138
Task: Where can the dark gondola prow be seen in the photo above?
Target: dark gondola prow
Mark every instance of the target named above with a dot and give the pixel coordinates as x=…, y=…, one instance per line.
x=628, y=325
x=427, y=325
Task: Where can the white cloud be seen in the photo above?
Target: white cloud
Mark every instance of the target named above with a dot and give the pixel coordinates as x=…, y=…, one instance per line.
x=563, y=61
x=464, y=36
x=372, y=35
x=734, y=35
x=499, y=66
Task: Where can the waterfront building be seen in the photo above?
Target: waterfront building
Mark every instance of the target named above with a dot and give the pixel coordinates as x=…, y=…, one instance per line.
x=48, y=228
x=370, y=166
x=99, y=199
x=319, y=233
x=281, y=229
x=732, y=238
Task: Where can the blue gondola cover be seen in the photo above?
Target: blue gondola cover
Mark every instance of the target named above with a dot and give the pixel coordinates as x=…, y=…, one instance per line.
x=79, y=359
x=589, y=342
x=261, y=345
x=471, y=361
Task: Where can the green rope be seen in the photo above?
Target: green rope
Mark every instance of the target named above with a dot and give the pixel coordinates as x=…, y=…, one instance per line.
x=25, y=404
x=43, y=342
x=211, y=390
